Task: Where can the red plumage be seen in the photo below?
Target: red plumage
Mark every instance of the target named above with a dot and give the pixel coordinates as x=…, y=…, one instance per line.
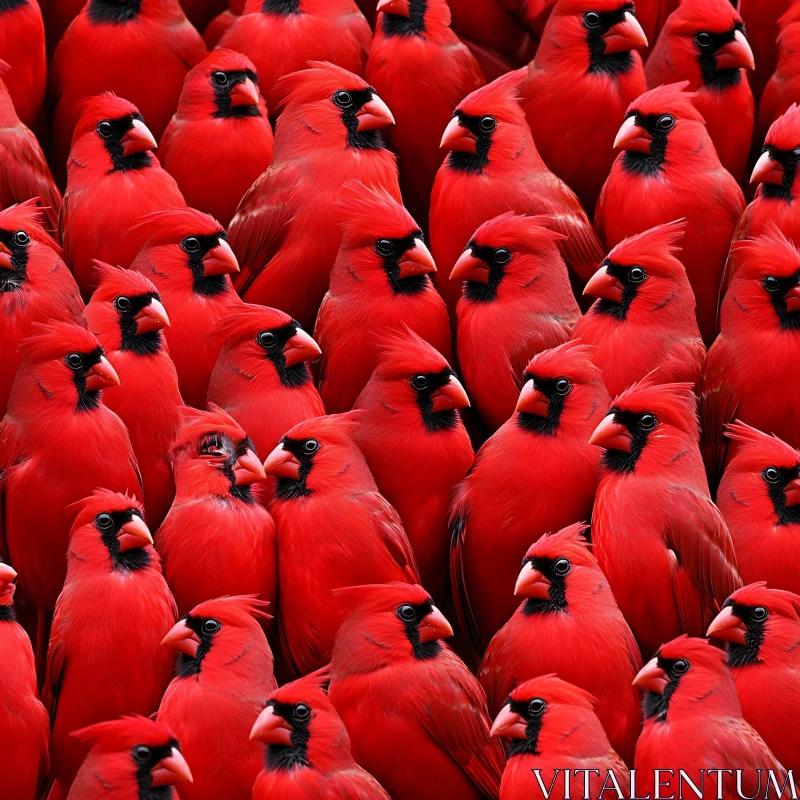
x=659, y=539
x=596, y=72
x=413, y=41
x=126, y=315
x=286, y=230
x=643, y=321
x=565, y=736
x=376, y=290
x=512, y=306
x=334, y=530
x=407, y=700
x=107, y=190
x=561, y=612
x=111, y=564
x=23, y=49
x=416, y=445
x=224, y=679
x=217, y=539
x=220, y=139
x=489, y=172
x=186, y=255
x=663, y=175
x=121, y=49
x=57, y=16
x=536, y=474
x=761, y=18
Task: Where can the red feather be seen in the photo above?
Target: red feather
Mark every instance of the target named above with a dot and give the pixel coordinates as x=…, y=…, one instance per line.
x=23, y=49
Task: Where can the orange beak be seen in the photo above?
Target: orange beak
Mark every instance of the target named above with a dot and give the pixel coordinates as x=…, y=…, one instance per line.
x=281, y=463
x=244, y=94
x=450, y=396
x=457, y=137
x=5, y=257
x=220, y=260
x=400, y=8
x=625, y=36
x=138, y=139
x=300, y=347
x=469, y=268
x=7, y=576
x=417, y=260
x=633, y=137
x=133, y=534
x=183, y=639
x=767, y=170
x=792, y=299
x=728, y=627
x=509, y=725
x=605, y=286
x=736, y=54
x=651, y=678
x=102, y=374
x=532, y=401
x=792, y=492
x=153, y=317
x=532, y=583
x=611, y=435
x=248, y=469
x=271, y=728
x=434, y=626
x=374, y=115
x=171, y=770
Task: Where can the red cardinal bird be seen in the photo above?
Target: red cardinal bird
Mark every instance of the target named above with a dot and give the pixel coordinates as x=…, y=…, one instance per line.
x=219, y=25
x=282, y=36
x=380, y=281
x=586, y=63
x=308, y=750
x=24, y=174
x=759, y=497
x=643, y=321
x=58, y=442
x=220, y=139
x=113, y=180
x=493, y=167
x=111, y=564
x=515, y=302
x=757, y=350
x=286, y=231
x=552, y=728
x=22, y=46
x=334, y=530
x=120, y=46
x=217, y=539
x=658, y=538
x=693, y=722
x=537, y=473
x=668, y=169
x=187, y=256
x=262, y=377
x=408, y=700
x=761, y=18
x=567, y=602
x=35, y=286
x=410, y=431
x=761, y=628
x=224, y=679
x=129, y=756
x=126, y=315
x=24, y=758
x=413, y=40
x=703, y=42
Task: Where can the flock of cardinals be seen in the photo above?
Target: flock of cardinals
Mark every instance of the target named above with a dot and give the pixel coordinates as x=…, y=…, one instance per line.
x=295, y=505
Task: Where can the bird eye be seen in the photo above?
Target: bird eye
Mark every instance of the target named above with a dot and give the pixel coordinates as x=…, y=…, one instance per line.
x=502, y=256
x=420, y=382
x=666, y=123
x=563, y=386
x=267, y=339
x=74, y=361
x=636, y=275
x=302, y=711
x=537, y=707
x=771, y=475
x=122, y=303
x=487, y=124
x=759, y=613
x=384, y=247
x=104, y=521
x=680, y=666
x=310, y=446
x=407, y=613
x=211, y=445
x=771, y=283
x=105, y=129
x=141, y=753
x=703, y=40
x=562, y=566
x=343, y=99
x=796, y=154
x=210, y=627
x=591, y=19
x=191, y=244
x=21, y=239
x=648, y=422
x=220, y=78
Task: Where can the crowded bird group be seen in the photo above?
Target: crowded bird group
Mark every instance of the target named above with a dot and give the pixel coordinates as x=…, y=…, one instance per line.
x=399, y=399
